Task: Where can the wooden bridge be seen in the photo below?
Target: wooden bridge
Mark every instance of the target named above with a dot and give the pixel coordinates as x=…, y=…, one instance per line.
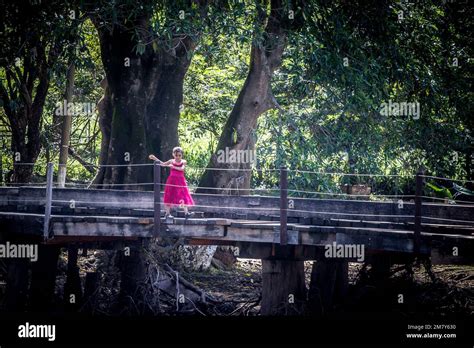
x=100, y=216
x=282, y=230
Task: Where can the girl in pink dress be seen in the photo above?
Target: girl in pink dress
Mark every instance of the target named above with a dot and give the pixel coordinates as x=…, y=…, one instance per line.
x=176, y=189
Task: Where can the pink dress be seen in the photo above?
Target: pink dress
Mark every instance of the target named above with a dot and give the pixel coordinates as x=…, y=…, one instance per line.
x=176, y=189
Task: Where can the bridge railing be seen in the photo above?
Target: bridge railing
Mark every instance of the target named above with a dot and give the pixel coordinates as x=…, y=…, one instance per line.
x=413, y=209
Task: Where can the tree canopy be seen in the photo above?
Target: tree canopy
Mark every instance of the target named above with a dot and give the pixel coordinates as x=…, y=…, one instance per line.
x=303, y=83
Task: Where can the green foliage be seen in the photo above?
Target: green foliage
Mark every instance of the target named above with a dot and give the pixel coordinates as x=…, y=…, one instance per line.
x=437, y=191
x=332, y=121
x=342, y=62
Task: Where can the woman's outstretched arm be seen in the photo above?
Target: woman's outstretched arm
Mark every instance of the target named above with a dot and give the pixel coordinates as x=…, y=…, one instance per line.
x=164, y=164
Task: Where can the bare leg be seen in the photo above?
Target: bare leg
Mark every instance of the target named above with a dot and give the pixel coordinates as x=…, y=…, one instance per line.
x=187, y=213
x=167, y=209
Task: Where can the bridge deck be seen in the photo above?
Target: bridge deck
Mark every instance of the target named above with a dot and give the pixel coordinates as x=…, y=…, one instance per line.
x=71, y=228
x=99, y=215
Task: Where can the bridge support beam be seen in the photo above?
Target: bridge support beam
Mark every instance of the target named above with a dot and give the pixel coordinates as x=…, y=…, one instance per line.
x=380, y=267
x=72, y=288
x=329, y=284
x=17, y=285
x=43, y=278
x=283, y=287
x=133, y=271
x=90, y=292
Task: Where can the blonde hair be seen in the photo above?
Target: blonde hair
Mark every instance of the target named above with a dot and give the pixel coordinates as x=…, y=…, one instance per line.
x=178, y=149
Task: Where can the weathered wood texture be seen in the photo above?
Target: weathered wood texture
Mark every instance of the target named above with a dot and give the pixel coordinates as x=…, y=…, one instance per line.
x=283, y=287
x=101, y=215
x=43, y=278
x=17, y=278
x=139, y=203
x=224, y=231
x=73, y=287
x=132, y=290
x=328, y=286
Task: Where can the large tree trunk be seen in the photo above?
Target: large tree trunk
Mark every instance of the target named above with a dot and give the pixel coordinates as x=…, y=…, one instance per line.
x=128, y=82
x=162, y=118
x=139, y=113
x=164, y=109
x=254, y=99
x=140, y=110
x=128, y=88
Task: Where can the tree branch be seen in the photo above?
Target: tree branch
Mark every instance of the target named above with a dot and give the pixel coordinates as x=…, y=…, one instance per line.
x=91, y=168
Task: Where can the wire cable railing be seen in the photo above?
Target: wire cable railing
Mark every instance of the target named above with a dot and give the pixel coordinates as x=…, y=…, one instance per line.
x=149, y=205
x=294, y=192
x=286, y=194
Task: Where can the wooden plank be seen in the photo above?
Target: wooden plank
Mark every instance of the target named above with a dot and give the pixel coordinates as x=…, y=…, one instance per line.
x=250, y=235
x=292, y=237
x=113, y=242
x=126, y=227
x=427, y=227
x=257, y=224
x=210, y=221
x=99, y=229
x=249, y=222
x=319, y=208
x=200, y=231
x=305, y=228
x=272, y=225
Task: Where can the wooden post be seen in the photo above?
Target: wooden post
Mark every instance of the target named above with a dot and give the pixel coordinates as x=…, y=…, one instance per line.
x=381, y=264
x=156, y=195
x=283, y=205
x=48, y=199
x=283, y=287
x=417, y=226
x=322, y=286
x=73, y=281
x=16, y=293
x=132, y=296
x=43, y=278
